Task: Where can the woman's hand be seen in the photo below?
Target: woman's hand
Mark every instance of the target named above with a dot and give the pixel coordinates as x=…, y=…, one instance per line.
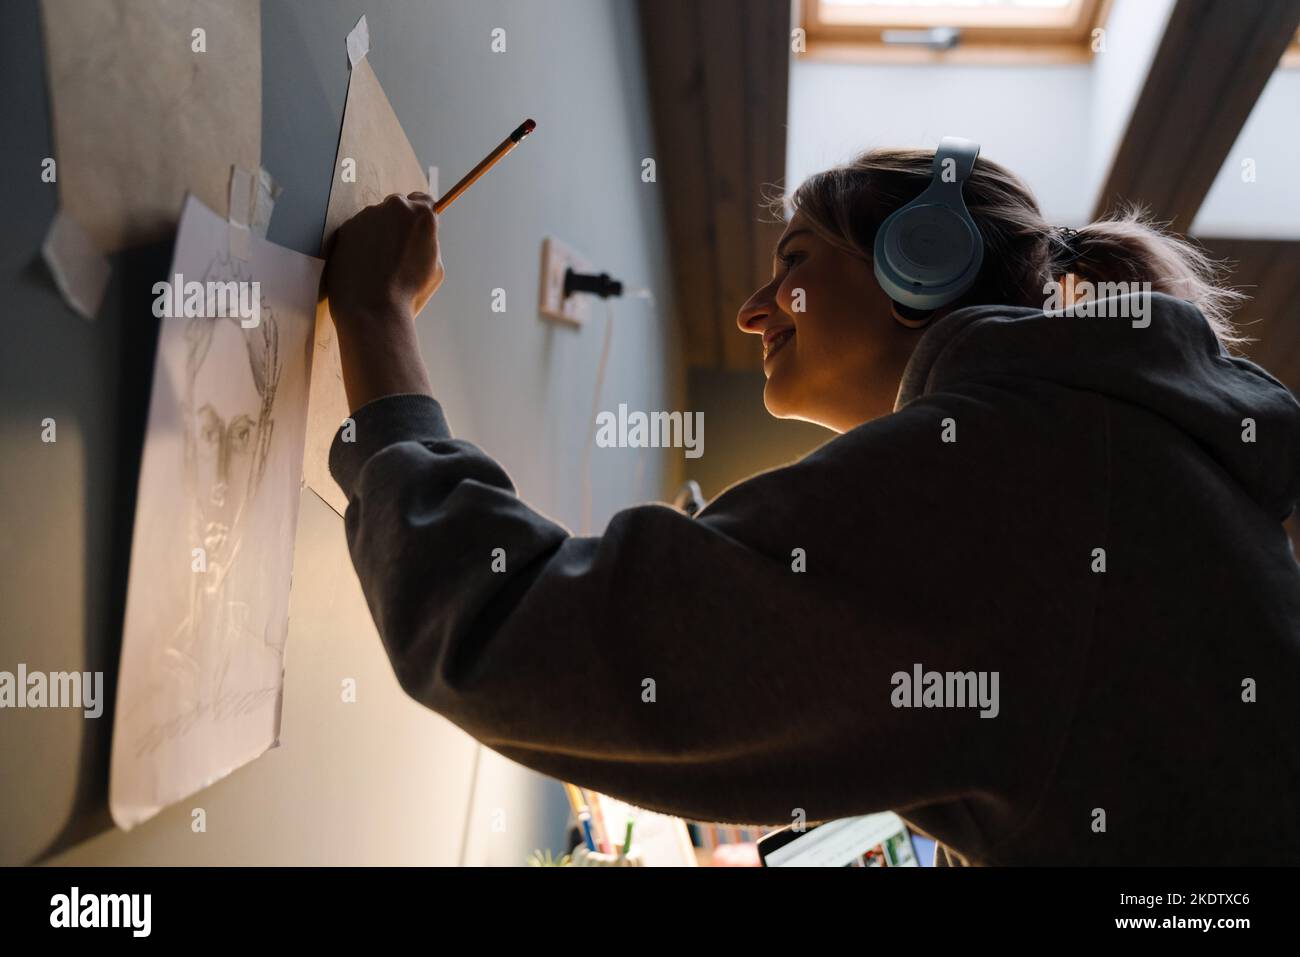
x=383, y=267
x=385, y=262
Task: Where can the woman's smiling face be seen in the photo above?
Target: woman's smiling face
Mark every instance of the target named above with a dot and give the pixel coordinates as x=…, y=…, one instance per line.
x=832, y=353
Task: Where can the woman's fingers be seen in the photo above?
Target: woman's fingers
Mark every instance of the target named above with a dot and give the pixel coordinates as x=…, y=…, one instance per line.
x=386, y=259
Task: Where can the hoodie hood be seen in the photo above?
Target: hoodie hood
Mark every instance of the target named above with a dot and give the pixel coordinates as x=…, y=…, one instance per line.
x=1160, y=355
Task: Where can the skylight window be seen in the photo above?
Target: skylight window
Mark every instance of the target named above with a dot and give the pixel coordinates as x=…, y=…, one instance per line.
x=991, y=30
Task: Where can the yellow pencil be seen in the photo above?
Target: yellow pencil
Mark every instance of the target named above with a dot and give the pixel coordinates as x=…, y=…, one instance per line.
x=575, y=799
x=504, y=147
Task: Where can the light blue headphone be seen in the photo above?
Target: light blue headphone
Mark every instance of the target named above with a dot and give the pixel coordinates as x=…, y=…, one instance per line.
x=929, y=252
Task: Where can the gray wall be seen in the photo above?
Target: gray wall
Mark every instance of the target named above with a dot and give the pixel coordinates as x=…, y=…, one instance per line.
x=383, y=780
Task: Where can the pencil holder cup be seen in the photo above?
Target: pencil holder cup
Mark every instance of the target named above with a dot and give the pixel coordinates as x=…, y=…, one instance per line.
x=585, y=858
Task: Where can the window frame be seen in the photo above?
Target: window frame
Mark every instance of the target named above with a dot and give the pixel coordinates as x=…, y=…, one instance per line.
x=988, y=36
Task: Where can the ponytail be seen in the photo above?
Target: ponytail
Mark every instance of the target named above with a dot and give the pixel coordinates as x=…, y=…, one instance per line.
x=1129, y=246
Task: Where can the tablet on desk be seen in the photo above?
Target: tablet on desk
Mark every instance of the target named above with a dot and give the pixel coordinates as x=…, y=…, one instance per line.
x=873, y=840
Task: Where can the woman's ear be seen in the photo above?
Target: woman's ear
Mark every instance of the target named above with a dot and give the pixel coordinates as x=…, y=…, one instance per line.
x=907, y=316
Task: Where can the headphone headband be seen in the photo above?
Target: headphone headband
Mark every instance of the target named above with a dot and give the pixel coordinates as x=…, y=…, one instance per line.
x=962, y=153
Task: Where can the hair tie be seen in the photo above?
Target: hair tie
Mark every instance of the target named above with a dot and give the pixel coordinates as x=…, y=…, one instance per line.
x=1069, y=240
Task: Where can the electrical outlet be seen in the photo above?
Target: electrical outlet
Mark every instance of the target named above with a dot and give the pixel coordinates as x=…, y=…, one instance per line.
x=552, y=304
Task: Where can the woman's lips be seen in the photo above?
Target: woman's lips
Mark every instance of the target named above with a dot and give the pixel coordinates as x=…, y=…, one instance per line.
x=775, y=340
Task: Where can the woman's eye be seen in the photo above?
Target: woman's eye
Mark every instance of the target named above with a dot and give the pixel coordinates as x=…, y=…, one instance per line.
x=788, y=259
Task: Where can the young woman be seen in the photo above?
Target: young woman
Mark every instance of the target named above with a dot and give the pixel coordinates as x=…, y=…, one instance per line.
x=1036, y=596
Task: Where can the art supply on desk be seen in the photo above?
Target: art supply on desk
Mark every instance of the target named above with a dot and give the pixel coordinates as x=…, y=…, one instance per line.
x=585, y=858
x=627, y=841
x=603, y=842
x=576, y=802
x=584, y=823
x=659, y=840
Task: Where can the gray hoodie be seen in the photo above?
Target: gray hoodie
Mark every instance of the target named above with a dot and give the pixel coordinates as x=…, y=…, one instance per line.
x=1046, y=610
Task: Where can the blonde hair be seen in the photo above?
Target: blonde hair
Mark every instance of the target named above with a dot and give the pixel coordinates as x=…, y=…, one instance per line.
x=1022, y=252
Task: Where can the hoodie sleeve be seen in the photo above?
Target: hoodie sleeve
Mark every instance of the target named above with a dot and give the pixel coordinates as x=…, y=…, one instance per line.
x=737, y=666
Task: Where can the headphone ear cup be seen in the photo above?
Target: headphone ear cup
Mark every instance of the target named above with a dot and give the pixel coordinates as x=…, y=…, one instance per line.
x=927, y=257
x=931, y=243
x=912, y=318
x=929, y=252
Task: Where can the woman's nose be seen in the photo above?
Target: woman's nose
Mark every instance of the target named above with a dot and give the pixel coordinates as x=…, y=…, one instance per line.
x=754, y=311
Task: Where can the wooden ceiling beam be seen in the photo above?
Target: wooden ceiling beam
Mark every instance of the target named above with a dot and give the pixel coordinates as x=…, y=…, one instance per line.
x=719, y=76
x=674, y=60
x=1209, y=69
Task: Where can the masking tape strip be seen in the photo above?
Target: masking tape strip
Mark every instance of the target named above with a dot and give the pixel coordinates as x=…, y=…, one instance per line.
x=241, y=200
x=80, y=270
x=358, y=42
x=266, y=192
x=433, y=182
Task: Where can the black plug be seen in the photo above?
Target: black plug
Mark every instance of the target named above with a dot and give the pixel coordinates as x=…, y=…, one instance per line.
x=599, y=285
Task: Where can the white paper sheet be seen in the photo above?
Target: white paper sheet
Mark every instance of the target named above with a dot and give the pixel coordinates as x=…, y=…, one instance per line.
x=202, y=667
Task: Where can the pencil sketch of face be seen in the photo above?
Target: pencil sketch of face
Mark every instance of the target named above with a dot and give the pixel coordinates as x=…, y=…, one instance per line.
x=368, y=180
x=232, y=373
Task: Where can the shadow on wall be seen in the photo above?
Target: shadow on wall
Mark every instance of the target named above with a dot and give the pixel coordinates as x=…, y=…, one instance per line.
x=117, y=415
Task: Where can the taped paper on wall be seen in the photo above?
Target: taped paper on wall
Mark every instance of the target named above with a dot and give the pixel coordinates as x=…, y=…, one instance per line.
x=151, y=100
x=202, y=667
x=374, y=159
x=80, y=270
